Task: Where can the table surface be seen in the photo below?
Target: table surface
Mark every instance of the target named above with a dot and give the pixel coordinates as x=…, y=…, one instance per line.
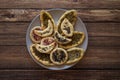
x=101, y=61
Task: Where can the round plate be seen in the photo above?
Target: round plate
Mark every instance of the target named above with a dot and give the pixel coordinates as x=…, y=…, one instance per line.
x=56, y=14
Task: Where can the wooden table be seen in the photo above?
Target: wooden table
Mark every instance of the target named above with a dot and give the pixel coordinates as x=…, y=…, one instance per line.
x=101, y=61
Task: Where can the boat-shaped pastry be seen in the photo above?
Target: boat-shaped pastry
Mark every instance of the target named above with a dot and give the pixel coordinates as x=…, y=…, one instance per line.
x=70, y=17
x=74, y=55
x=48, y=31
x=47, y=41
x=77, y=39
x=61, y=39
x=45, y=17
x=67, y=28
x=59, y=56
x=45, y=48
x=33, y=36
x=41, y=57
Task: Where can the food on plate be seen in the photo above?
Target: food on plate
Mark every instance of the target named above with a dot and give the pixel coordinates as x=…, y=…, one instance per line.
x=77, y=39
x=45, y=48
x=45, y=17
x=70, y=15
x=47, y=31
x=58, y=56
x=61, y=39
x=41, y=57
x=47, y=41
x=34, y=37
x=74, y=55
x=57, y=45
x=67, y=28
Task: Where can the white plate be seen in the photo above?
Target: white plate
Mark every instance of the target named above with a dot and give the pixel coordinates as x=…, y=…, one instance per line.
x=56, y=13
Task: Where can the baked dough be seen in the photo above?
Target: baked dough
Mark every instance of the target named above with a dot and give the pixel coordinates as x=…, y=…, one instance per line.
x=47, y=31
x=45, y=48
x=33, y=36
x=70, y=15
x=74, y=55
x=67, y=28
x=41, y=57
x=47, y=41
x=77, y=39
x=61, y=39
x=45, y=17
x=58, y=56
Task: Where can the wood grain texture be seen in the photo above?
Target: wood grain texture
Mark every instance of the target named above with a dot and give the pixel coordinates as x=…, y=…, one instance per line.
x=107, y=34
x=101, y=60
x=103, y=29
x=86, y=15
x=93, y=41
x=60, y=75
x=94, y=29
x=17, y=57
x=59, y=4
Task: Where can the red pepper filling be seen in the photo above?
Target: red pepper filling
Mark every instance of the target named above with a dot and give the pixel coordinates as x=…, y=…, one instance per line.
x=48, y=41
x=36, y=37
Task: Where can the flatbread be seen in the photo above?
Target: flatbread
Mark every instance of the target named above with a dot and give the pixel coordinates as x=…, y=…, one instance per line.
x=41, y=57
x=67, y=28
x=33, y=36
x=77, y=39
x=61, y=39
x=47, y=31
x=74, y=55
x=44, y=17
x=71, y=15
x=59, y=56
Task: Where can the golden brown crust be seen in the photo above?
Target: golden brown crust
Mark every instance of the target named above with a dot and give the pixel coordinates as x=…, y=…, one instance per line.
x=47, y=31
x=67, y=28
x=77, y=39
x=45, y=48
x=48, y=40
x=32, y=35
x=71, y=15
x=61, y=39
x=44, y=17
x=74, y=55
x=46, y=62
x=58, y=56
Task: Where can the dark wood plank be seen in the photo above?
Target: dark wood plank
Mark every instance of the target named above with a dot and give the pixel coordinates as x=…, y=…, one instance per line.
x=86, y=15
x=99, y=33
x=13, y=28
x=99, y=15
x=103, y=29
x=93, y=41
x=59, y=4
x=17, y=57
x=12, y=39
x=104, y=41
x=94, y=29
x=60, y=75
